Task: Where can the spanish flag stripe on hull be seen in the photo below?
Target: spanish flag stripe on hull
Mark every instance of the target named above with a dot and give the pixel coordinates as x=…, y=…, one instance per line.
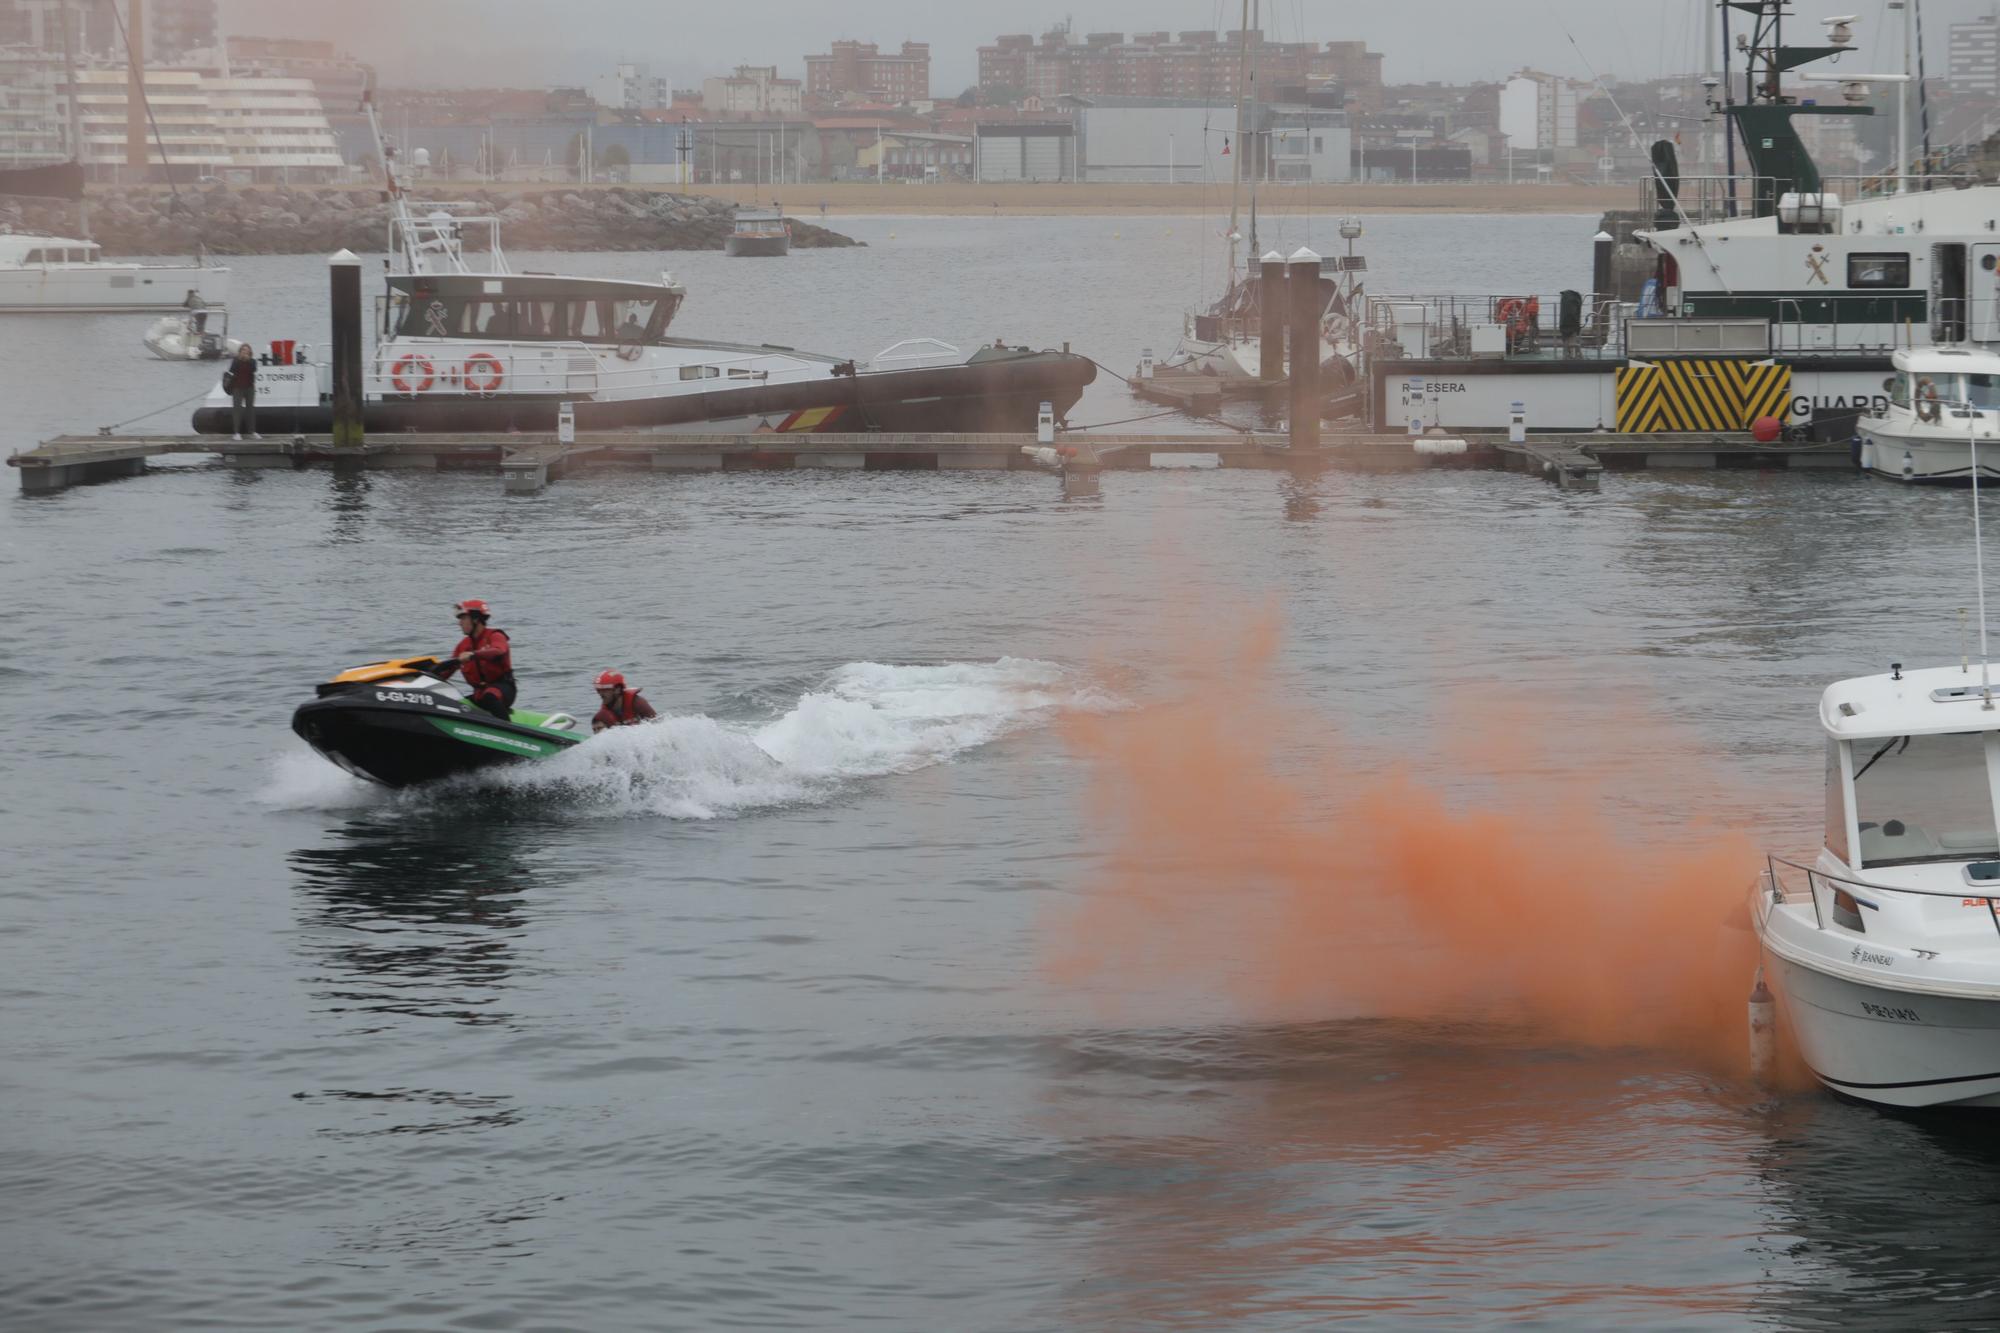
x=810, y=419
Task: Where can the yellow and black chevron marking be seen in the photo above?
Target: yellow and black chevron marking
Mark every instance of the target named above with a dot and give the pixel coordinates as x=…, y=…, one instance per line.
x=1697, y=395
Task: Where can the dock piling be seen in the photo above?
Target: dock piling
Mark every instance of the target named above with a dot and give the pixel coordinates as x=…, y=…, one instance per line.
x=1271, y=317
x=344, y=269
x=1302, y=282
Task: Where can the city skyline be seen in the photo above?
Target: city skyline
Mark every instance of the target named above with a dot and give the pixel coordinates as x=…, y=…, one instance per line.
x=532, y=42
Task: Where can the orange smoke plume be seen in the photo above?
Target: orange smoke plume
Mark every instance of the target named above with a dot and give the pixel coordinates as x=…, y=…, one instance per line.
x=1551, y=871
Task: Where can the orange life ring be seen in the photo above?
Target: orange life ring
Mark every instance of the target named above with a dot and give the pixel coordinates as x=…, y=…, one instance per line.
x=1928, y=407
x=407, y=383
x=483, y=373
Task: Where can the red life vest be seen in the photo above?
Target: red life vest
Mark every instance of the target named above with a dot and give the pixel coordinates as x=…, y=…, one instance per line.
x=626, y=709
x=480, y=671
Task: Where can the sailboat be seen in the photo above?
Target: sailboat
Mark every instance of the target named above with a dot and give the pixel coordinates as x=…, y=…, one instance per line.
x=63, y=274
x=1225, y=340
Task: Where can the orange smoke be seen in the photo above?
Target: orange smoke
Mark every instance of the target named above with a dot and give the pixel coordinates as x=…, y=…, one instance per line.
x=1563, y=874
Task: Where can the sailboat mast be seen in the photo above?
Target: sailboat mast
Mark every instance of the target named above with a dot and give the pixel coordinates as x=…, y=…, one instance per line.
x=1236, y=167
x=73, y=134
x=1257, y=162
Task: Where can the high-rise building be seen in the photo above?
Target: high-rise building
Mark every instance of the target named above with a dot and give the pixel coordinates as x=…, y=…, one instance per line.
x=37, y=24
x=1204, y=65
x=861, y=68
x=31, y=115
x=631, y=87
x=1538, y=111
x=1973, y=66
x=337, y=78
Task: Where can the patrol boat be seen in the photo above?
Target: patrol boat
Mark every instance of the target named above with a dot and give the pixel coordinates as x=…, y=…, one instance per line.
x=398, y=723
x=466, y=344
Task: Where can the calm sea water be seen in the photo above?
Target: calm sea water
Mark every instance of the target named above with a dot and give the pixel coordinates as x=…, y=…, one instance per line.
x=749, y=1019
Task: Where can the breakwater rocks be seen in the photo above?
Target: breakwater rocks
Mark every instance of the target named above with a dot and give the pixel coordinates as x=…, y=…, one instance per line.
x=275, y=220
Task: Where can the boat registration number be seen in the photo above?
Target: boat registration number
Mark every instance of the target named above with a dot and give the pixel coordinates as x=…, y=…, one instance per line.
x=405, y=697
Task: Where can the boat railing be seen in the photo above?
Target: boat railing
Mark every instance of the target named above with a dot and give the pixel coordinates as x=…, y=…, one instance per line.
x=1821, y=885
x=1513, y=324
x=433, y=239
x=922, y=351
x=1706, y=199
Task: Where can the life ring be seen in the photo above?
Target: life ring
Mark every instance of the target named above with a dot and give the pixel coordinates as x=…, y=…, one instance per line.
x=1928, y=408
x=407, y=383
x=483, y=373
x=631, y=352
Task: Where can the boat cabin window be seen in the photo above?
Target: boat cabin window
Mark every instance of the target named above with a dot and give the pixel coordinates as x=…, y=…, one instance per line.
x=1923, y=798
x=602, y=321
x=700, y=373
x=1899, y=389
x=35, y=257
x=1983, y=390
x=1878, y=270
x=1836, y=804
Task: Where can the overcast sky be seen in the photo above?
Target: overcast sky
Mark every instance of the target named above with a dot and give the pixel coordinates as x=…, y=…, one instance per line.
x=531, y=43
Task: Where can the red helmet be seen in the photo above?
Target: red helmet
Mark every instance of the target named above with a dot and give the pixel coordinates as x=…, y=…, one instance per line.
x=606, y=679
x=471, y=606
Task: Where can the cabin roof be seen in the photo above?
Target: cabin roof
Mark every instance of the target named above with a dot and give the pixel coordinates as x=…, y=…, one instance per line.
x=552, y=286
x=1947, y=361
x=13, y=247
x=1924, y=702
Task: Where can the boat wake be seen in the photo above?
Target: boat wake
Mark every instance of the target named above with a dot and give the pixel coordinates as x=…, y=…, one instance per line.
x=864, y=720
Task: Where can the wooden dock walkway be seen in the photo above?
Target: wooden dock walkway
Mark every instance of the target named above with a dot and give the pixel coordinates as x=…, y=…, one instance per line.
x=529, y=462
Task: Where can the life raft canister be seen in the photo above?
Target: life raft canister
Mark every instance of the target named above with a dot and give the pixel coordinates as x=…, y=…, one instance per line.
x=413, y=374
x=483, y=373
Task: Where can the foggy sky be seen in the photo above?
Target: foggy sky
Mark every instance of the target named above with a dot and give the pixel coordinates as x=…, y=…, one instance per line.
x=532, y=43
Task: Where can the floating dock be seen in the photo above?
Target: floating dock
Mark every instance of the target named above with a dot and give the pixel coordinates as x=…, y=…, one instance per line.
x=529, y=462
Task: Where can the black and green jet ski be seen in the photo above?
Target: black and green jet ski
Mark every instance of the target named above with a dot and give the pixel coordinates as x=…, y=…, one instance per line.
x=397, y=723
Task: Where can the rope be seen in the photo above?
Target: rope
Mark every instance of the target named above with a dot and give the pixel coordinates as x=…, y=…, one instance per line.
x=173, y=190
x=118, y=426
x=1124, y=421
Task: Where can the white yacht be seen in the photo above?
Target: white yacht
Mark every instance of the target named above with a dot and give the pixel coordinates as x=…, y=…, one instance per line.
x=1886, y=950
x=1941, y=401
x=44, y=274
x=466, y=344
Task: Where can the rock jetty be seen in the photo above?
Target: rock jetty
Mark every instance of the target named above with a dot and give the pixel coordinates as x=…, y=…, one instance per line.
x=275, y=220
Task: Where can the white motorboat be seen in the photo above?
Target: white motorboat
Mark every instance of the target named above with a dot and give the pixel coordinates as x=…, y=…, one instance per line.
x=1886, y=950
x=192, y=335
x=466, y=344
x=1940, y=399
x=53, y=274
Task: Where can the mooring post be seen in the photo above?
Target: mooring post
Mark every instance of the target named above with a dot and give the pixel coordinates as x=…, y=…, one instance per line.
x=1272, y=317
x=1302, y=281
x=345, y=271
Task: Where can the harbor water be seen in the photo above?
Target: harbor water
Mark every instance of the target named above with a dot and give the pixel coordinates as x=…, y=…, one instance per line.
x=978, y=943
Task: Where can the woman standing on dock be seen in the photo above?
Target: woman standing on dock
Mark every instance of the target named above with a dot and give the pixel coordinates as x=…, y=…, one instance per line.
x=240, y=382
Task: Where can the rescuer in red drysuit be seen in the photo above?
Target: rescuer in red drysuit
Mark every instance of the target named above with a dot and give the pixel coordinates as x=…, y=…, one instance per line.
x=485, y=658
x=622, y=707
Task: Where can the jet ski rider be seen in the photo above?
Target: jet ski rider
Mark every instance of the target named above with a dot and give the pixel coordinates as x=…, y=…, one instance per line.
x=486, y=659
x=622, y=707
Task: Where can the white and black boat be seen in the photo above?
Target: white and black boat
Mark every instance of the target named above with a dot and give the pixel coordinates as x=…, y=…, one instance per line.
x=1943, y=402
x=464, y=343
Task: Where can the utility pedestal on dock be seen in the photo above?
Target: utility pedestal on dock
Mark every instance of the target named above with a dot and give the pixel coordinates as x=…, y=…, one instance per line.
x=345, y=271
x=1271, y=316
x=1302, y=286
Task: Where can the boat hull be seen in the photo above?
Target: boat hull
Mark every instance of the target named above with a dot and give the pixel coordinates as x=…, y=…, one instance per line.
x=402, y=744
x=109, y=288
x=1889, y=1046
x=757, y=247
x=997, y=394
x=1931, y=461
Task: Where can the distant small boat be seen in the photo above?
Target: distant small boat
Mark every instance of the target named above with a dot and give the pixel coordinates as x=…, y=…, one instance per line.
x=201, y=334
x=759, y=232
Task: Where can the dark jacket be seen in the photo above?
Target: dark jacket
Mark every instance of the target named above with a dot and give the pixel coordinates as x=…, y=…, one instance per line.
x=240, y=379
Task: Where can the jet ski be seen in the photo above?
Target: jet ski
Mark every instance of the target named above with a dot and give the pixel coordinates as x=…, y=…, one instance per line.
x=398, y=723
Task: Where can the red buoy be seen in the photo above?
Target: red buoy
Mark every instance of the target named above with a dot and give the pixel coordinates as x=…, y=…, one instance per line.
x=1766, y=429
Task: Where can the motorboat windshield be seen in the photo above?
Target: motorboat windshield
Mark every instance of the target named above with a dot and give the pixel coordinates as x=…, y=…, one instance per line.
x=528, y=308
x=1925, y=798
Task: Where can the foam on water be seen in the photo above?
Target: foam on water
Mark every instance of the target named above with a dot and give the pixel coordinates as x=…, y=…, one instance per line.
x=865, y=720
